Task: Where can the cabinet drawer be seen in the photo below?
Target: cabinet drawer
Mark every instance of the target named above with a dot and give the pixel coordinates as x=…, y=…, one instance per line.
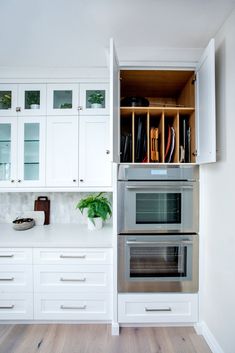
x=14, y=306
x=15, y=256
x=73, y=256
x=72, y=278
x=157, y=308
x=16, y=278
x=54, y=306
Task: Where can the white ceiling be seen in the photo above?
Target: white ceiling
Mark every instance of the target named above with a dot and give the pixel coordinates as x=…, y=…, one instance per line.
x=69, y=33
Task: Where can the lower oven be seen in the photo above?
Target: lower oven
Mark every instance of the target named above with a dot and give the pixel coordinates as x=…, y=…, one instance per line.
x=158, y=263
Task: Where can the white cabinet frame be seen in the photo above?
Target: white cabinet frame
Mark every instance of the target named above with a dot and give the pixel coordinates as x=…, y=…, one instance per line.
x=94, y=87
x=63, y=87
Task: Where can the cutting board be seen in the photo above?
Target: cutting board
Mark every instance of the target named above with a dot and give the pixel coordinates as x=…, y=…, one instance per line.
x=43, y=204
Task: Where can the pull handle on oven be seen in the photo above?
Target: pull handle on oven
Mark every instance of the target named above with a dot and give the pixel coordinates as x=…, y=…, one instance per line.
x=183, y=242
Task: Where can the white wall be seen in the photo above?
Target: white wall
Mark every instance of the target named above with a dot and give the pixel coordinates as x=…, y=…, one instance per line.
x=218, y=301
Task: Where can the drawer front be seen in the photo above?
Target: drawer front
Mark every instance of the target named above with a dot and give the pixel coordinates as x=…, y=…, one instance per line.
x=16, y=306
x=15, y=256
x=16, y=278
x=162, y=308
x=52, y=306
x=73, y=256
x=62, y=278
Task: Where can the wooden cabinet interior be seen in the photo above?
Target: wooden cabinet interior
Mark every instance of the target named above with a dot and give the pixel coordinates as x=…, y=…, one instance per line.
x=171, y=111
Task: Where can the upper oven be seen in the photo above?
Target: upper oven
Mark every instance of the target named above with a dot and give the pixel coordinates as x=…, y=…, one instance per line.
x=158, y=199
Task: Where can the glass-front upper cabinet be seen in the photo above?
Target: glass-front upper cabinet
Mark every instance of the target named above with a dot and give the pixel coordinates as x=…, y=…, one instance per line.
x=8, y=151
x=62, y=99
x=31, y=151
x=8, y=99
x=94, y=99
x=31, y=99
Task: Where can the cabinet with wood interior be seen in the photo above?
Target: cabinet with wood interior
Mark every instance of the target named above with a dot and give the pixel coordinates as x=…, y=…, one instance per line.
x=164, y=115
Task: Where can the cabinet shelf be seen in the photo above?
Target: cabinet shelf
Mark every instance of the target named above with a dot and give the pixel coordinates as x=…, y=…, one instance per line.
x=125, y=111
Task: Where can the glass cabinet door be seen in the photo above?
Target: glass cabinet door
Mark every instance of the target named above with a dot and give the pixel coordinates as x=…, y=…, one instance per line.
x=8, y=142
x=32, y=99
x=31, y=147
x=94, y=99
x=62, y=99
x=8, y=100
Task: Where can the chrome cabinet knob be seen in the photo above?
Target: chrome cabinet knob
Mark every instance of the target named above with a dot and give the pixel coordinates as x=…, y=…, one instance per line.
x=74, y=180
x=18, y=109
x=107, y=151
x=79, y=107
x=19, y=180
x=12, y=181
x=81, y=180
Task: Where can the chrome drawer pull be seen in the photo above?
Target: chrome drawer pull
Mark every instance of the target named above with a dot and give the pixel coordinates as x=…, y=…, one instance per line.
x=5, y=256
x=64, y=307
x=7, y=307
x=7, y=279
x=73, y=279
x=72, y=256
x=166, y=309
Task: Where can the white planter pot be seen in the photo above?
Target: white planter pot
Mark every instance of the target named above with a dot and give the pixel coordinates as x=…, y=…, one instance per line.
x=96, y=105
x=34, y=106
x=84, y=216
x=94, y=223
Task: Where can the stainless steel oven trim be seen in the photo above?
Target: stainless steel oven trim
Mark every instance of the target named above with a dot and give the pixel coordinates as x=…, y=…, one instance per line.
x=189, y=206
x=188, y=285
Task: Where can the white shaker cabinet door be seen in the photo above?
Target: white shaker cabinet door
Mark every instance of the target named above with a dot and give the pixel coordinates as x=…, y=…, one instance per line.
x=206, y=120
x=94, y=152
x=62, y=151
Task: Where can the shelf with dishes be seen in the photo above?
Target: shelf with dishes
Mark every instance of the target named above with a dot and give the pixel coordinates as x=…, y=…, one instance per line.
x=157, y=135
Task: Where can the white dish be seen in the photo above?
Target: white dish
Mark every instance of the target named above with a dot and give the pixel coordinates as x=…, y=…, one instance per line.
x=38, y=216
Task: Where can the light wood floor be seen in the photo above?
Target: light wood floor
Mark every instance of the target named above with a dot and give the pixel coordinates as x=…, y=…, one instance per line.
x=60, y=338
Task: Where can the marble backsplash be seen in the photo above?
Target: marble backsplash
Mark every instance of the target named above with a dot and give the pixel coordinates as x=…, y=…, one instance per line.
x=63, y=206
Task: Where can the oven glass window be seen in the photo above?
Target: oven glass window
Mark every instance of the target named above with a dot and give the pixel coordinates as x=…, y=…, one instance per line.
x=156, y=208
x=158, y=261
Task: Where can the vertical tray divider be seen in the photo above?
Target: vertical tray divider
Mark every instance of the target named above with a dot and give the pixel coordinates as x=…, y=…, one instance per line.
x=162, y=158
x=148, y=136
x=133, y=137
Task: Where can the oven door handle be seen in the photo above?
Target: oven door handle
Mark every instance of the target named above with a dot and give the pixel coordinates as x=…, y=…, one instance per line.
x=183, y=242
x=162, y=187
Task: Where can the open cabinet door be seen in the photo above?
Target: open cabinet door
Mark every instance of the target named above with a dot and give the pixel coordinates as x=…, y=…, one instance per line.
x=206, y=123
x=114, y=103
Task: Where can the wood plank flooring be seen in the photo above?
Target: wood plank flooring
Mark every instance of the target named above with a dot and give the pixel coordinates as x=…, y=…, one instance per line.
x=61, y=338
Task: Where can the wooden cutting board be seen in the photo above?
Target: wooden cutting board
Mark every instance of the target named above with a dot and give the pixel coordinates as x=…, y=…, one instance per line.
x=43, y=204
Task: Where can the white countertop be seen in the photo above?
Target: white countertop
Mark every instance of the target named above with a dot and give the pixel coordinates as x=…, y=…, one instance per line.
x=56, y=235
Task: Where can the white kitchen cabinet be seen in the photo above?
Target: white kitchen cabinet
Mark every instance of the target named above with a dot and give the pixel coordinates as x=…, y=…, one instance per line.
x=62, y=99
x=22, y=99
x=181, y=112
x=16, y=284
x=157, y=308
x=94, y=99
x=8, y=99
x=22, y=151
x=62, y=151
x=31, y=99
x=94, y=152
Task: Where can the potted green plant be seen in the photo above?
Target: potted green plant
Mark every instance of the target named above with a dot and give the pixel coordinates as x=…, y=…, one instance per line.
x=5, y=101
x=98, y=209
x=96, y=99
x=33, y=100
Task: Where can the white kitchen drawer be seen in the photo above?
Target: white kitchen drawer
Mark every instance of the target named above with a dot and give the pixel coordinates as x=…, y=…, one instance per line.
x=72, y=278
x=16, y=278
x=72, y=256
x=52, y=306
x=15, y=256
x=157, y=308
x=16, y=306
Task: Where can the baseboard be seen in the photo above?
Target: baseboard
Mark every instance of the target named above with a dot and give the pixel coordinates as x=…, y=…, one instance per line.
x=202, y=329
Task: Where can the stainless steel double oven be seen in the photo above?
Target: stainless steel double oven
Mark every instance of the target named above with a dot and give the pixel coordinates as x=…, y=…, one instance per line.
x=158, y=229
